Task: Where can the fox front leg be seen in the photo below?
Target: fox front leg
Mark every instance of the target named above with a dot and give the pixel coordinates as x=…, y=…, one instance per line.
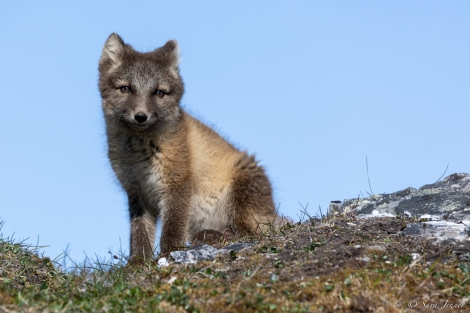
x=142, y=237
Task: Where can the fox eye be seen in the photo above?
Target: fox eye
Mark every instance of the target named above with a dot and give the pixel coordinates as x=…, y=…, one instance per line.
x=160, y=93
x=125, y=89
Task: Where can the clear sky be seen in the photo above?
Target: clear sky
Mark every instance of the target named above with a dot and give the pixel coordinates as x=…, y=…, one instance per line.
x=311, y=87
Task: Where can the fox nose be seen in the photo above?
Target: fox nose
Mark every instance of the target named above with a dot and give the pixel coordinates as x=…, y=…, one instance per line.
x=140, y=117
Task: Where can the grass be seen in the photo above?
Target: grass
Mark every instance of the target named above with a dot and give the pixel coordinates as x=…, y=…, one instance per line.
x=324, y=265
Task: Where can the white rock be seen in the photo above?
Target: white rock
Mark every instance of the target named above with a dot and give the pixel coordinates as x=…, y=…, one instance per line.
x=162, y=262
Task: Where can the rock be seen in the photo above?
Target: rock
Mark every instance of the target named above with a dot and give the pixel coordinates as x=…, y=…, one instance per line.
x=236, y=247
x=206, y=253
x=376, y=248
x=440, y=230
x=202, y=253
x=444, y=207
x=162, y=262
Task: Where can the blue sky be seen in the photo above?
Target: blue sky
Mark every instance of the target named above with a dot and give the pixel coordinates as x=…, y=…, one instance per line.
x=311, y=87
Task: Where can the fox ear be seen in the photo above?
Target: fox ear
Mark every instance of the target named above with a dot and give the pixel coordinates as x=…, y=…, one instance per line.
x=170, y=52
x=113, y=51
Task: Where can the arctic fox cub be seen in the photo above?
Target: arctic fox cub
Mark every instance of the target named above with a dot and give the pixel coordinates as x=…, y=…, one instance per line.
x=172, y=166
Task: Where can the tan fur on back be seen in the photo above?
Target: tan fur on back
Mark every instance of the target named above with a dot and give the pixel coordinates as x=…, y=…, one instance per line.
x=212, y=163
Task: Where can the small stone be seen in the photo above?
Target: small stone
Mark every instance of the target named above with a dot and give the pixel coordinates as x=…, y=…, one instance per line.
x=364, y=259
x=376, y=248
x=236, y=247
x=415, y=256
x=172, y=280
x=162, y=262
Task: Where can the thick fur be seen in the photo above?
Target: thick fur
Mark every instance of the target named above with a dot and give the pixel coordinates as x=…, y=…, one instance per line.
x=172, y=166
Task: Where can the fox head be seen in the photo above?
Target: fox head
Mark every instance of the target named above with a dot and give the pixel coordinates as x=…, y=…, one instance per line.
x=140, y=91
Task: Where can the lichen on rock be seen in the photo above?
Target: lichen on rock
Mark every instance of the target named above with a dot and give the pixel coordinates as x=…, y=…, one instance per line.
x=442, y=207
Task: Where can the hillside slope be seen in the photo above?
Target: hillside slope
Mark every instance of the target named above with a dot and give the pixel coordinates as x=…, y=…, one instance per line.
x=339, y=264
